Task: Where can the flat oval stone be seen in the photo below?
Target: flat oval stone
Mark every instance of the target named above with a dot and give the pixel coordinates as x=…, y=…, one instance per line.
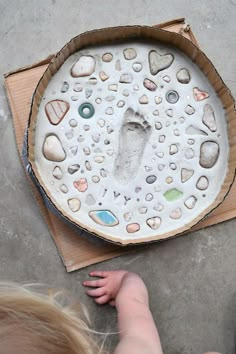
x=99, y=159
x=151, y=179
x=149, y=85
x=189, y=154
x=103, y=173
x=73, y=123
x=52, y=149
x=74, y=204
x=131, y=228
x=183, y=76
x=158, y=99
x=104, y=217
x=202, y=183
x=107, y=57
x=154, y=223
x=81, y=185
x=209, y=153
x=130, y=53
x=158, y=207
x=84, y=66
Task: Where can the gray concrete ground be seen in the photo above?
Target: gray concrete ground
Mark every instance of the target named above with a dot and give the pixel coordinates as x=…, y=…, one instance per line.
x=191, y=279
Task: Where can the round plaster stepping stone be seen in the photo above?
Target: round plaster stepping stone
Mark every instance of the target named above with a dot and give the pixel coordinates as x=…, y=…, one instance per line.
x=81, y=184
x=199, y=95
x=131, y=228
x=130, y=53
x=56, y=111
x=202, y=183
x=183, y=76
x=57, y=173
x=209, y=153
x=159, y=62
x=74, y=204
x=154, y=222
x=150, y=85
x=209, y=118
x=52, y=149
x=190, y=202
x=107, y=57
x=84, y=66
x=186, y=174
x=104, y=217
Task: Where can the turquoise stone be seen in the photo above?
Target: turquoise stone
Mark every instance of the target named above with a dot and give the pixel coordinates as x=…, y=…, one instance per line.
x=103, y=217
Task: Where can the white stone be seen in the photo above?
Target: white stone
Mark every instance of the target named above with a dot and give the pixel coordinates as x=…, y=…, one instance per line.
x=64, y=188
x=209, y=153
x=190, y=202
x=202, y=183
x=143, y=99
x=173, y=149
x=52, y=149
x=107, y=57
x=57, y=173
x=176, y=214
x=99, y=159
x=126, y=78
x=130, y=53
x=84, y=66
x=186, y=174
x=109, y=111
x=113, y=87
x=121, y=103
x=183, y=76
x=74, y=204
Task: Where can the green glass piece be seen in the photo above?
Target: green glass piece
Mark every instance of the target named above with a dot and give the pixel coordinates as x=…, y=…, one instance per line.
x=173, y=194
x=86, y=110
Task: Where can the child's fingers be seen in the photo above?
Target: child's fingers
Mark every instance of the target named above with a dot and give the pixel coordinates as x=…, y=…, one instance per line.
x=95, y=283
x=102, y=300
x=99, y=273
x=96, y=292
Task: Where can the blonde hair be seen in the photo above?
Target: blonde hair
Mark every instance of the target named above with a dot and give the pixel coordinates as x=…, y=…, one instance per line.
x=33, y=322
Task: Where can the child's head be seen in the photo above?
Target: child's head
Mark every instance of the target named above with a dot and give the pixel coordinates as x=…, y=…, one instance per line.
x=34, y=323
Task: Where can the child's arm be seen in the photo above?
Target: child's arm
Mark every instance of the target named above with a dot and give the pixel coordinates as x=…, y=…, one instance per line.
x=127, y=291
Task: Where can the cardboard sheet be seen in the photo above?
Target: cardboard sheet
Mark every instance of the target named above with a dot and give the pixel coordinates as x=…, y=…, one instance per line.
x=76, y=251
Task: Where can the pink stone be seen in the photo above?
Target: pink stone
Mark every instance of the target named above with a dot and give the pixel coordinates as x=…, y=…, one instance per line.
x=81, y=184
x=199, y=95
x=131, y=228
x=150, y=85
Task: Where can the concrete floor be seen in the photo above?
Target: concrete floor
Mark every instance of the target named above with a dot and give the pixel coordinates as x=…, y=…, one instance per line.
x=191, y=279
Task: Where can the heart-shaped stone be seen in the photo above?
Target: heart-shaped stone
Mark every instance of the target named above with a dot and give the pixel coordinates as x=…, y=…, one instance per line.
x=159, y=62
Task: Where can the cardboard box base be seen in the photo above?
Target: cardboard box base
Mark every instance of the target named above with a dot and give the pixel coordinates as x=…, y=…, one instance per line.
x=75, y=250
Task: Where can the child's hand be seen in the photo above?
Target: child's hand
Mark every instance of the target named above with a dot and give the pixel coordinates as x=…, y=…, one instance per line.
x=107, y=287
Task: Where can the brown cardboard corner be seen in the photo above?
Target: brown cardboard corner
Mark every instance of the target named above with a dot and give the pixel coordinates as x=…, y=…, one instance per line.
x=76, y=251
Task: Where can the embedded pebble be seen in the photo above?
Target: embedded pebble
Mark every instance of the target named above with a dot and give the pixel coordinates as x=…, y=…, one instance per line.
x=173, y=149
x=151, y=179
x=57, y=173
x=73, y=123
x=142, y=210
x=86, y=150
x=190, y=202
x=104, y=217
x=74, y=204
x=173, y=194
x=125, y=93
x=199, y=95
x=84, y=66
x=202, y=183
x=160, y=154
x=109, y=111
x=110, y=129
x=186, y=174
x=121, y=103
x=161, y=167
x=99, y=159
x=93, y=80
x=173, y=166
x=80, y=138
x=136, y=87
x=130, y=53
x=110, y=152
x=128, y=216
x=98, y=150
x=74, y=98
x=176, y=214
x=158, y=125
x=90, y=200
x=137, y=67
x=65, y=87
x=143, y=99
x=96, y=137
x=131, y=228
x=158, y=99
x=98, y=100
x=113, y=87
x=189, y=110
x=166, y=78
x=101, y=122
x=169, y=112
x=181, y=120
x=107, y=57
x=159, y=62
x=103, y=76
x=118, y=66
x=73, y=168
x=69, y=134
x=95, y=179
x=154, y=223
x=183, y=76
x=78, y=87
x=176, y=132
x=158, y=207
x=192, y=130
x=110, y=98
x=148, y=168
x=52, y=149
x=126, y=78
x=190, y=141
x=209, y=118
x=209, y=153
x=162, y=138
x=88, y=93
x=56, y=111
x=103, y=173
x=155, y=113
x=86, y=127
x=149, y=85
x=74, y=150
x=149, y=197
x=167, y=124
x=172, y=96
x=169, y=180
x=189, y=153
x=81, y=184
x=88, y=165
x=138, y=189
x=64, y=188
